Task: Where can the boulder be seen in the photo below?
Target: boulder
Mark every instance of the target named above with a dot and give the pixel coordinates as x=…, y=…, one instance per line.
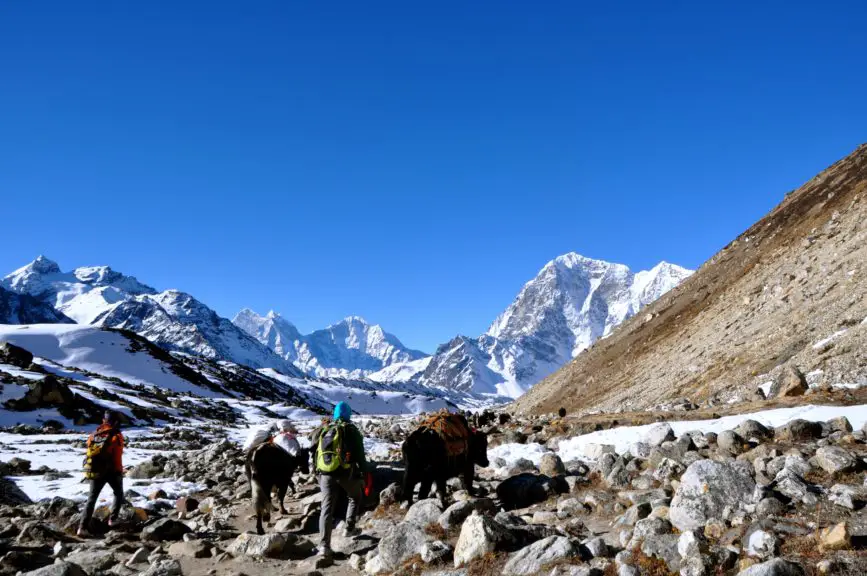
x=424, y=512
x=840, y=424
x=523, y=490
x=762, y=544
x=730, y=441
x=191, y=549
x=836, y=537
x=798, y=431
x=403, y=541
x=169, y=567
x=15, y=355
x=11, y=494
x=706, y=489
x=790, y=383
x=390, y=494
x=658, y=433
x=531, y=559
x=833, y=459
x=435, y=551
x=263, y=546
x=60, y=568
x=454, y=515
x=479, y=536
x=775, y=567
x=164, y=529
x=595, y=451
x=752, y=429
x=551, y=465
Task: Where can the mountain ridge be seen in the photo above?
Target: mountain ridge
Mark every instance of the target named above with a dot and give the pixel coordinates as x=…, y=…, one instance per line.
x=788, y=295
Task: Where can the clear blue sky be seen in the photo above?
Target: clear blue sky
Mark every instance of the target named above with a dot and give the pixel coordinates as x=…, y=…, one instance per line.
x=411, y=162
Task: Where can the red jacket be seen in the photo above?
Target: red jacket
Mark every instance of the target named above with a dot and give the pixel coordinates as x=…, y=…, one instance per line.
x=115, y=445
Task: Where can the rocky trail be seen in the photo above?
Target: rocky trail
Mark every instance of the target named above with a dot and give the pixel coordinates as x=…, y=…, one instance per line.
x=663, y=498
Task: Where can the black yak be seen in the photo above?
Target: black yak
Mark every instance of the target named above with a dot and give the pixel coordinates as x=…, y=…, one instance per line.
x=428, y=460
x=269, y=466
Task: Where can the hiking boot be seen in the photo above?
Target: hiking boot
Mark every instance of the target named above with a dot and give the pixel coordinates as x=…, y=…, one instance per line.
x=349, y=532
x=83, y=532
x=324, y=552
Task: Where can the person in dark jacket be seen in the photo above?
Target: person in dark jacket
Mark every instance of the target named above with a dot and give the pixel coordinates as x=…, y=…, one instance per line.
x=106, y=468
x=349, y=477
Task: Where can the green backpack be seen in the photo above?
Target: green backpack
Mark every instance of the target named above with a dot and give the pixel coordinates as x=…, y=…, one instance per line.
x=329, y=453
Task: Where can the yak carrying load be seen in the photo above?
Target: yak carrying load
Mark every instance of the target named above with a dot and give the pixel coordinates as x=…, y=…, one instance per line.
x=442, y=447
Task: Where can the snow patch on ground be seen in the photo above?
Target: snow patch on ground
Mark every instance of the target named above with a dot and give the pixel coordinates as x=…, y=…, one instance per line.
x=828, y=340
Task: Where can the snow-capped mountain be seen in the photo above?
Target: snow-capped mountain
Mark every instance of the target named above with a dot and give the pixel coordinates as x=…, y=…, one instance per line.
x=176, y=321
x=352, y=348
x=171, y=319
x=570, y=304
x=82, y=294
x=25, y=309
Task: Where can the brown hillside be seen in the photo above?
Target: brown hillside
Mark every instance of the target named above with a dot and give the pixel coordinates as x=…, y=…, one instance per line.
x=795, y=278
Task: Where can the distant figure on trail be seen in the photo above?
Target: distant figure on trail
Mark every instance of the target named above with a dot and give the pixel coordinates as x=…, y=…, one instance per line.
x=340, y=462
x=104, y=465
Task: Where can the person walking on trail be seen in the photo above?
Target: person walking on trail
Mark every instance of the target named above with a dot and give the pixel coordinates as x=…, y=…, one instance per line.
x=341, y=465
x=104, y=465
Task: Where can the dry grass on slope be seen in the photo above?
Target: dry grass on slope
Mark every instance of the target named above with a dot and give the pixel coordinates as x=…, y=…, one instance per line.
x=794, y=278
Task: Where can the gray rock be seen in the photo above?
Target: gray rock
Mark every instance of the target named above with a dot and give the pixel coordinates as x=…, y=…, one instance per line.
x=768, y=507
x=840, y=424
x=170, y=567
x=455, y=514
x=798, y=431
x=833, y=460
x=480, y=535
x=59, y=568
x=846, y=495
x=751, y=429
x=658, y=433
x=775, y=567
x=401, y=542
x=390, y=494
x=691, y=543
x=571, y=507
x=531, y=559
x=11, y=494
x=164, y=529
x=525, y=490
x=664, y=547
x=706, y=489
x=762, y=544
x=791, y=382
x=551, y=465
x=424, y=512
x=265, y=545
x=649, y=527
x=730, y=441
x=434, y=551
x=191, y=549
x=140, y=556
x=596, y=547
x=635, y=513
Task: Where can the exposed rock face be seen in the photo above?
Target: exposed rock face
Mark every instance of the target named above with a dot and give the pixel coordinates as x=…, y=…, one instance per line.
x=15, y=355
x=480, y=535
x=706, y=489
x=402, y=542
x=25, y=309
x=10, y=494
x=352, y=348
x=790, y=383
x=724, y=324
x=531, y=559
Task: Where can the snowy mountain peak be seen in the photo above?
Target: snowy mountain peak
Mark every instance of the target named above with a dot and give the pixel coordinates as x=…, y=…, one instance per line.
x=42, y=265
x=82, y=294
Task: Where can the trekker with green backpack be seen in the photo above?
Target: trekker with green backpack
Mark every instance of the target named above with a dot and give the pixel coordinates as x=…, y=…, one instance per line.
x=340, y=463
x=103, y=465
